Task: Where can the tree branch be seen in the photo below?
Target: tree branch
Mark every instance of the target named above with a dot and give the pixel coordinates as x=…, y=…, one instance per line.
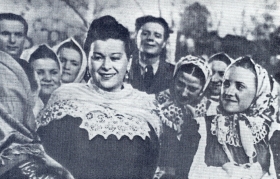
x=138, y=4
x=159, y=8
x=77, y=12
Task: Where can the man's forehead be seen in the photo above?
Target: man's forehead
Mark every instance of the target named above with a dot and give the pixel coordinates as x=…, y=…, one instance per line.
x=11, y=25
x=152, y=25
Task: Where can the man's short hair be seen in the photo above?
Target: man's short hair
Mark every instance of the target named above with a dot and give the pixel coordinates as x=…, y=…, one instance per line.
x=145, y=19
x=15, y=17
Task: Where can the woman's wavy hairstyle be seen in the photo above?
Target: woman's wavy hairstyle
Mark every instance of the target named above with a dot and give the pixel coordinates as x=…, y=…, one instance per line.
x=104, y=28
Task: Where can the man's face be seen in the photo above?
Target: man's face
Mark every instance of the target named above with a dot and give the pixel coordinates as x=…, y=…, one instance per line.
x=152, y=38
x=12, y=37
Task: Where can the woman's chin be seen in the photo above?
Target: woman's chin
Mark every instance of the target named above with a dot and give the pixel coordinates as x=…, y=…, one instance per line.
x=67, y=80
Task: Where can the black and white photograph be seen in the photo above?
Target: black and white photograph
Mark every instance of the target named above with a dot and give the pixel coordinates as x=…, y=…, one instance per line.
x=139, y=89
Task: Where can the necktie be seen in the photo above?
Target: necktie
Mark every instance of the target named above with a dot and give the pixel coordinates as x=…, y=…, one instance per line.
x=148, y=76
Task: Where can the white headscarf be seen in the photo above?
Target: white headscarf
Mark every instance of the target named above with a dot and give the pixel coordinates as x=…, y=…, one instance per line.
x=82, y=71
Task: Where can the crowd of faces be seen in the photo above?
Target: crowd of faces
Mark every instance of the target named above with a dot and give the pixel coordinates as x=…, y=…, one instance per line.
x=109, y=64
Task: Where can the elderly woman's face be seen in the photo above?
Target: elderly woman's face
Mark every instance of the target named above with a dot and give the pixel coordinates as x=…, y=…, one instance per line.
x=187, y=88
x=239, y=89
x=108, y=62
x=49, y=75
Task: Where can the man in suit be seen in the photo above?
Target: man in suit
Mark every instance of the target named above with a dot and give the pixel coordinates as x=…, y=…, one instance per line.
x=13, y=32
x=149, y=70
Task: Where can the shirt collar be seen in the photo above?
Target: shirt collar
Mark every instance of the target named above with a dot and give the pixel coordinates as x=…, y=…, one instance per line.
x=143, y=66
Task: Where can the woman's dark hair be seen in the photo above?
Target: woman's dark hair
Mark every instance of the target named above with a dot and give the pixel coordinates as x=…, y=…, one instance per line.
x=43, y=51
x=104, y=28
x=192, y=70
x=70, y=45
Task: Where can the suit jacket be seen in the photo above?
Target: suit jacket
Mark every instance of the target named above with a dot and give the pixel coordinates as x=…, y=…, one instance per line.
x=162, y=78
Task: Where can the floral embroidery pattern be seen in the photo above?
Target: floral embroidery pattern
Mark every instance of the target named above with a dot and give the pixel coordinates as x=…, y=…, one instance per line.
x=103, y=120
x=226, y=129
x=109, y=122
x=170, y=114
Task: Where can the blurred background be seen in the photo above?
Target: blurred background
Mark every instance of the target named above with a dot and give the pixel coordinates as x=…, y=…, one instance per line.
x=201, y=27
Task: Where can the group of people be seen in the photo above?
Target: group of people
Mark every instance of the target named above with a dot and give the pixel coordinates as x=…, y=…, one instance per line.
x=137, y=116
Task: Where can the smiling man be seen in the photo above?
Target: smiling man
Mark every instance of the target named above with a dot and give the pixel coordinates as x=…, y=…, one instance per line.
x=13, y=32
x=149, y=71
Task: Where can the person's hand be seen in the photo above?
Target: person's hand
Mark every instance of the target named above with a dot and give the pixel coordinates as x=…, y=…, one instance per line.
x=245, y=171
x=57, y=167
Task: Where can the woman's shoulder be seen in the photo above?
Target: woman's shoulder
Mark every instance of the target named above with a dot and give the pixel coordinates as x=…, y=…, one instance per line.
x=69, y=91
x=142, y=97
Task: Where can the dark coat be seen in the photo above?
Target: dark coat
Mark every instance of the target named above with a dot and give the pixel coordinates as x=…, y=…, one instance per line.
x=162, y=78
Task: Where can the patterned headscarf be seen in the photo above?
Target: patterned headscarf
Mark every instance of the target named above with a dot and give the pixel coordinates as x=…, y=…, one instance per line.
x=265, y=102
x=252, y=123
x=199, y=62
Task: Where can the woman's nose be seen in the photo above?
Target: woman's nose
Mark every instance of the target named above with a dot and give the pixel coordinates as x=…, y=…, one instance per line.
x=66, y=65
x=215, y=78
x=185, y=92
x=107, y=63
x=230, y=90
x=47, y=77
x=151, y=37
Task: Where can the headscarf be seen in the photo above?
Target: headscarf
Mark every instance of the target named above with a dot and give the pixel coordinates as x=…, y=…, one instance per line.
x=17, y=129
x=265, y=102
x=199, y=62
x=82, y=71
x=39, y=105
x=170, y=113
x=221, y=57
x=254, y=121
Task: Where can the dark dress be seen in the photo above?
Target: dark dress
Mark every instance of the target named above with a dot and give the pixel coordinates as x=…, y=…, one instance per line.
x=99, y=134
x=180, y=137
x=215, y=155
x=99, y=157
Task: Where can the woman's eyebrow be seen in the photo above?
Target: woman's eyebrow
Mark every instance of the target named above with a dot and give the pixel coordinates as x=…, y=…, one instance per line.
x=116, y=53
x=241, y=83
x=98, y=53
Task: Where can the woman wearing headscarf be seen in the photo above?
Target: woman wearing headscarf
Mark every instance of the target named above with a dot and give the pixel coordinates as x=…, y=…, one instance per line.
x=177, y=107
x=105, y=128
x=73, y=61
x=234, y=143
x=47, y=67
x=21, y=153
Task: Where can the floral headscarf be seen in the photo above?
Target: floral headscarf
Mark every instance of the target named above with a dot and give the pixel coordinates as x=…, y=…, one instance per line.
x=254, y=122
x=169, y=112
x=199, y=62
x=265, y=102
